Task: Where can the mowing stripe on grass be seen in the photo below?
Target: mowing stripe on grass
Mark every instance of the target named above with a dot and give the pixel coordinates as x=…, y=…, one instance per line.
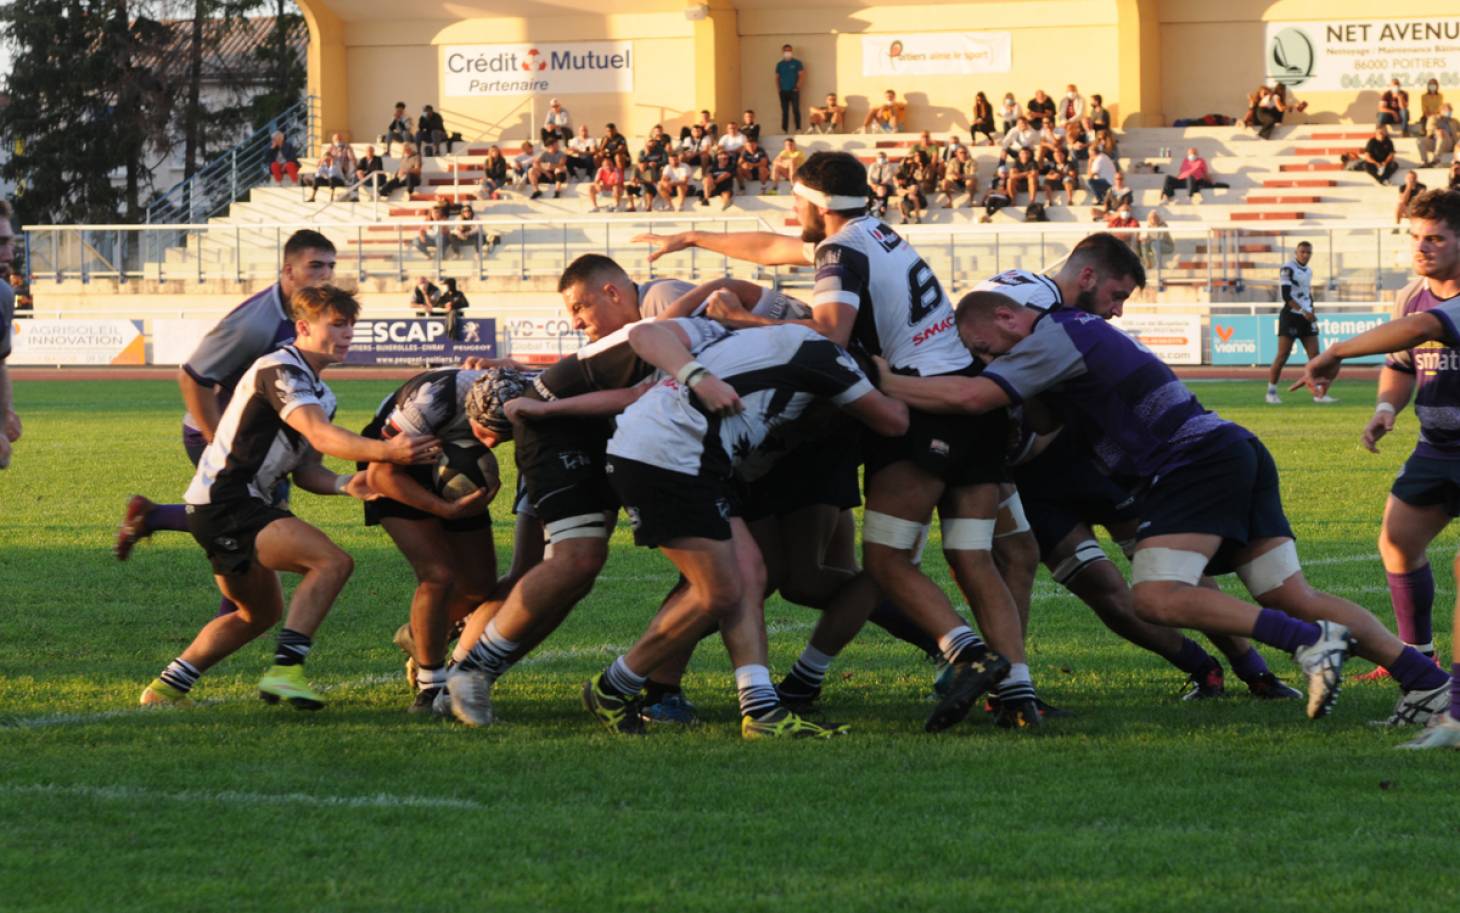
x=231, y=797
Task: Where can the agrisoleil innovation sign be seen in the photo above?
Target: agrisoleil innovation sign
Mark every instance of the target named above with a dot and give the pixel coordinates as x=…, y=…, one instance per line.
x=550, y=69
x=1352, y=55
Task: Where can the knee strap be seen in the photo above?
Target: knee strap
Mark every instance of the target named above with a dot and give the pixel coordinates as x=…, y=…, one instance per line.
x=1152, y=564
x=1085, y=554
x=1269, y=570
x=1015, y=507
x=968, y=534
x=893, y=532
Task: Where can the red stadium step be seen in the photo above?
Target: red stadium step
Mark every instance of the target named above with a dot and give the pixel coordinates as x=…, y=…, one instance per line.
x=793, y=223
x=1266, y=216
x=1311, y=166
x=1342, y=134
x=1277, y=183
x=1228, y=264
x=448, y=197
x=896, y=143
x=1326, y=150
x=1242, y=248
x=869, y=159
x=1261, y=200
x=397, y=212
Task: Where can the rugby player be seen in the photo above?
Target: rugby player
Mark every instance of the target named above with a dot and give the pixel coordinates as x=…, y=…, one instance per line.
x=872, y=288
x=248, y=332
x=1424, y=363
x=1209, y=502
x=449, y=544
x=10, y=426
x=672, y=460
x=1297, y=320
x=277, y=424
x=1066, y=494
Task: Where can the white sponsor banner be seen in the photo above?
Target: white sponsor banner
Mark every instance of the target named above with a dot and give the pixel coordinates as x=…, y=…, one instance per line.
x=1349, y=55
x=545, y=335
x=78, y=342
x=175, y=339
x=549, y=69
x=1173, y=338
x=936, y=54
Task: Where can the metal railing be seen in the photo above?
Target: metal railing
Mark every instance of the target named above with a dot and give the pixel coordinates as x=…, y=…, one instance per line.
x=225, y=179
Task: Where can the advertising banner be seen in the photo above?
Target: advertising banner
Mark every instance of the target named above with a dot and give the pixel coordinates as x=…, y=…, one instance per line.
x=78, y=342
x=1173, y=338
x=539, y=336
x=1252, y=339
x=936, y=54
x=420, y=341
x=547, y=69
x=1347, y=55
x=174, y=339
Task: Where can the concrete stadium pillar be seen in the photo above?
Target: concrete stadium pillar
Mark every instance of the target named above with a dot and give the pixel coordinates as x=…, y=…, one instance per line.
x=717, y=58
x=328, y=69
x=1138, y=43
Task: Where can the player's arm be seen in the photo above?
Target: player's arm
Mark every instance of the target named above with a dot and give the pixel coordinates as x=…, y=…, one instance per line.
x=740, y=292
x=1395, y=389
x=665, y=345
x=392, y=481
x=314, y=477
x=763, y=247
x=232, y=344
x=1394, y=336
x=201, y=400
x=951, y=394
x=598, y=404
x=880, y=412
x=328, y=438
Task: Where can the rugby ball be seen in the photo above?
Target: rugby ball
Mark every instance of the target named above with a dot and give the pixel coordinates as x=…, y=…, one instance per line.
x=463, y=468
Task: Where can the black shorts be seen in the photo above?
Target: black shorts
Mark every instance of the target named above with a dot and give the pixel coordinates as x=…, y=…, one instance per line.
x=1426, y=482
x=722, y=186
x=820, y=473
x=1233, y=494
x=664, y=506
x=1295, y=326
x=562, y=464
x=960, y=450
x=1063, y=488
x=227, y=531
x=380, y=508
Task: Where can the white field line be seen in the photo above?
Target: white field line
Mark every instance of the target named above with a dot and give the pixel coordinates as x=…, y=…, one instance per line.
x=231, y=797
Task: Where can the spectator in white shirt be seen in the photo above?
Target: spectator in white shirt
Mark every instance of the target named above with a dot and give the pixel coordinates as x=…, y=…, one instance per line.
x=523, y=163
x=1023, y=136
x=1010, y=113
x=344, y=153
x=581, y=149
x=555, y=125
x=674, y=181
x=1101, y=176
x=328, y=174
x=733, y=141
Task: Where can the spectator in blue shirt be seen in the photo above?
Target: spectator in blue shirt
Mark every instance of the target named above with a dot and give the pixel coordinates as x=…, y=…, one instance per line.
x=790, y=74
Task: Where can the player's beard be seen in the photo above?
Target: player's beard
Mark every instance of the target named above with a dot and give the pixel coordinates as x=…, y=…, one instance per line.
x=814, y=231
x=1085, y=301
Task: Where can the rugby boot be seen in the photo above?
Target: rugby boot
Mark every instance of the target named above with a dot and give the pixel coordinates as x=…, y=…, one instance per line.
x=1323, y=663
x=1417, y=708
x=781, y=723
x=287, y=683
x=975, y=672
x=134, y=527
x=1443, y=732
x=1268, y=687
x=1206, y=683
x=616, y=713
x=160, y=694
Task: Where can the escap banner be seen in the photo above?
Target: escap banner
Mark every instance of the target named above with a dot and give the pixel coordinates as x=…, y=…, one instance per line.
x=1249, y=339
x=1349, y=55
x=1173, y=338
x=550, y=69
x=420, y=341
x=78, y=342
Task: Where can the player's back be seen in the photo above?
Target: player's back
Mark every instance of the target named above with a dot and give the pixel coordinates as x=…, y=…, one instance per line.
x=1029, y=289
x=431, y=403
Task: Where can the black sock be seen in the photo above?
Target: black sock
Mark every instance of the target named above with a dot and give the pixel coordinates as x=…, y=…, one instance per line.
x=292, y=648
x=654, y=692
x=894, y=621
x=972, y=653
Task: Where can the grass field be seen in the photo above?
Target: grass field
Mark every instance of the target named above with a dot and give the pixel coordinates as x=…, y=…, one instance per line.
x=1142, y=802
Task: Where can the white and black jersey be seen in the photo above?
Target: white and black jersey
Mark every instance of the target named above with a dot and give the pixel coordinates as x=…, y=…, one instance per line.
x=903, y=314
x=611, y=363
x=777, y=305
x=248, y=332
x=431, y=403
x=1297, y=285
x=777, y=371
x=254, y=448
x=1029, y=289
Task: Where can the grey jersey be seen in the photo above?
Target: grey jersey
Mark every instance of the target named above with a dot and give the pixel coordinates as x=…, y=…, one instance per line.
x=250, y=331
x=1029, y=289
x=1297, y=285
x=656, y=295
x=776, y=305
x=778, y=371
x=7, y=318
x=254, y=447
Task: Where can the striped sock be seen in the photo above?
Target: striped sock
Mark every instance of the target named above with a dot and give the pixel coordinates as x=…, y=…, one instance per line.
x=621, y=680
x=292, y=648
x=492, y=654
x=757, y=694
x=957, y=642
x=431, y=678
x=808, y=672
x=1017, y=685
x=181, y=675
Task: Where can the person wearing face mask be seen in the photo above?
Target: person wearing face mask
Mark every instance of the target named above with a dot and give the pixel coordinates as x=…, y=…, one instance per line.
x=1010, y=112
x=1072, y=106
x=790, y=76
x=1430, y=102
x=1441, y=131
x=1394, y=108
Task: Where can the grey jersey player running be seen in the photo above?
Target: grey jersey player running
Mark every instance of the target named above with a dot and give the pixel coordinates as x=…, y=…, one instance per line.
x=874, y=290
x=1209, y=490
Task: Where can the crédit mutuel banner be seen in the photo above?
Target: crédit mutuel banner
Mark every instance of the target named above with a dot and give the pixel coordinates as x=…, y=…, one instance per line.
x=1356, y=54
x=936, y=54
x=548, y=69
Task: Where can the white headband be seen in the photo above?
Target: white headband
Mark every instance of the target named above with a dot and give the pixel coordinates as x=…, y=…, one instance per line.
x=829, y=203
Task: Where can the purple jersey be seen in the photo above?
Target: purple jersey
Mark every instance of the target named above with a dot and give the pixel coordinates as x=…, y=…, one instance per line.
x=248, y=332
x=1139, y=419
x=1436, y=369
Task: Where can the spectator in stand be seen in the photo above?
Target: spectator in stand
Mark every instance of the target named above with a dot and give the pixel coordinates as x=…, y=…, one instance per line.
x=720, y=180
x=749, y=127
x=1105, y=142
x=424, y=297
x=432, y=237
x=998, y=194
x=1431, y=101
x=612, y=143
x=1410, y=189
x=1009, y=113
x=552, y=164
x=733, y=140
x=1394, y=108
x=610, y=179
x=369, y=172
x=1194, y=173
x=407, y=172
x=454, y=302
x=327, y=173
x=282, y=159
x=1100, y=176
x=1050, y=138
x=1072, y=106
x=1022, y=136
x=1081, y=140
x=1286, y=102
x=523, y=163
x=655, y=154
x=1154, y=243
x=1454, y=174
x=1124, y=223
x=1024, y=175
x=1254, y=99
x=344, y=154
x=696, y=148
x=887, y=117
x=1117, y=195
x=1266, y=111
x=1441, y=131
x=641, y=179
x=915, y=179
x=1041, y=108
x=881, y=181
x=705, y=123
x=494, y=175
x=754, y=165
x=926, y=143
x=1378, y=156
x=790, y=77
x=430, y=131
x=788, y=162
x=674, y=181
x=1061, y=173
x=399, y=129
x=582, y=153
x=960, y=176
x=982, y=120
x=831, y=117
x=463, y=234
x=1097, y=116
x=556, y=123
